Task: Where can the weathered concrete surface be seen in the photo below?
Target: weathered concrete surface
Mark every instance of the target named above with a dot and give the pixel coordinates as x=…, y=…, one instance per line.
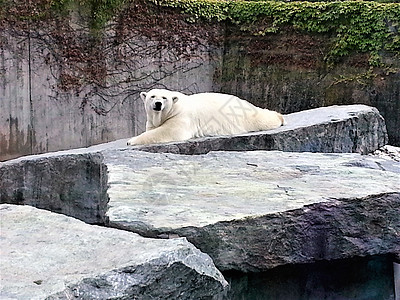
x=287, y=71
x=72, y=184
x=347, y=128
x=50, y=256
x=256, y=210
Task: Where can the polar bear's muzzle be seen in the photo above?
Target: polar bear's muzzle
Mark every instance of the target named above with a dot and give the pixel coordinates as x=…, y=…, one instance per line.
x=157, y=106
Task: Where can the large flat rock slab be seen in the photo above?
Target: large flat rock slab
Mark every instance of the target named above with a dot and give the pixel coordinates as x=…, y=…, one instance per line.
x=256, y=210
x=51, y=256
x=347, y=128
x=74, y=182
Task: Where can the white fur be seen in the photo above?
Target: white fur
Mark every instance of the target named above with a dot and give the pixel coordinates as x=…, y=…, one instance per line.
x=182, y=117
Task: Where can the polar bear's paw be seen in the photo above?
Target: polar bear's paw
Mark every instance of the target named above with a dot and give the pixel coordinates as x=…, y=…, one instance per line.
x=132, y=142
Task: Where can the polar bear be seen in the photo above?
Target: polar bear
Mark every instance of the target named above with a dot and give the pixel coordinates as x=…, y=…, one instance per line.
x=173, y=116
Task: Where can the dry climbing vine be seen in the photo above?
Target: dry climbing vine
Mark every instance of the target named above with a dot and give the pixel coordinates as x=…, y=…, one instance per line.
x=105, y=55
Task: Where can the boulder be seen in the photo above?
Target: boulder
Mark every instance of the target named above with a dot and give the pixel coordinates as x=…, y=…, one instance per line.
x=251, y=211
x=51, y=256
x=347, y=128
x=74, y=184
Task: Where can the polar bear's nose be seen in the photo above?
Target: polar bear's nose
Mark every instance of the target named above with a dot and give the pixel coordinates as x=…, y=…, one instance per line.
x=157, y=105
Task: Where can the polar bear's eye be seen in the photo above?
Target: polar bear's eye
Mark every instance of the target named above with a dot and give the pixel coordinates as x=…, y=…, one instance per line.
x=165, y=98
x=152, y=97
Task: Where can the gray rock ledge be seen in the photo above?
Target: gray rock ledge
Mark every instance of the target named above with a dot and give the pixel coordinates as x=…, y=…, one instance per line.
x=251, y=211
x=51, y=256
x=71, y=184
x=347, y=128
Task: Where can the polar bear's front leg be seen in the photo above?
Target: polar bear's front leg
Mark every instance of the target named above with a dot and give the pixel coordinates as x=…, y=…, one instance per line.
x=160, y=135
x=144, y=139
x=133, y=141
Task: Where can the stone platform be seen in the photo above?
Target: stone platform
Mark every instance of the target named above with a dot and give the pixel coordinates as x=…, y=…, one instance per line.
x=347, y=128
x=252, y=211
x=50, y=256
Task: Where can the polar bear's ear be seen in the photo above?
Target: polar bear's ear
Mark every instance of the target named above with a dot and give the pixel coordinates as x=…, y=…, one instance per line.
x=175, y=99
x=143, y=96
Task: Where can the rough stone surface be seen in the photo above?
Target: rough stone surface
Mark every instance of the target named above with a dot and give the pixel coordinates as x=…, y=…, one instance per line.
x=50, y=256
x=72, y=184
x=348, y=128
x=388, y=152
x=255, y=210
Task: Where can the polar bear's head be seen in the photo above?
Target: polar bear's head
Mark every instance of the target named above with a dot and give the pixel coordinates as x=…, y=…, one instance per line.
x=159, y=100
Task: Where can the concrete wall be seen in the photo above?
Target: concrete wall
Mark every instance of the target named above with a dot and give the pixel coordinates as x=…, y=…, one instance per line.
x=287, y=71
x=52, y=100
x=63, y=86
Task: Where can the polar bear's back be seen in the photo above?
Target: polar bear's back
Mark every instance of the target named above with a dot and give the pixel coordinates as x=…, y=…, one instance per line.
x=222, y=114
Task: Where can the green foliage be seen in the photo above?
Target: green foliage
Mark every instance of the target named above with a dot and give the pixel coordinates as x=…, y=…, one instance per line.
x=355, y=26
x=2, y=8
x=99, y=11
x=103, y=10
x=358, y=26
